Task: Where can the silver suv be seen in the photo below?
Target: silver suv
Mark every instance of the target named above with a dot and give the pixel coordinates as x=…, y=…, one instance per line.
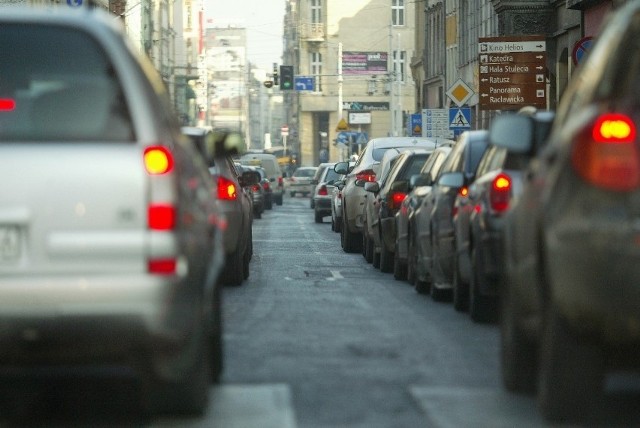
x=110, y=243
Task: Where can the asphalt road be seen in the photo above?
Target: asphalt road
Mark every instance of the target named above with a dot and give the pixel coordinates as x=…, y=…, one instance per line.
x=317, y=338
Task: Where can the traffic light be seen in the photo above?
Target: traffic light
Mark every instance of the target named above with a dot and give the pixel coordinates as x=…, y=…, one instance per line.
x=286, y=77
x=275, y=74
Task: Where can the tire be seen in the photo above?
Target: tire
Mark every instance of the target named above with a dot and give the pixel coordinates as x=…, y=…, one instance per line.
x=292, y=194
x=399, y=267
x=386, y=258
x=518, y=361
x=312, y=204
x=411, y=264
x=571, y=376
x=351, y=242
x=233, y=273
x=338, y=225
x=460, y=290
x=268, y=205
x=279, y=200
x=480, y=307
x=217, y=345
x=188, y=396
x=439, y=294
x=375, y=258
x=318, y=216
x=368, y=250
x=257, y=214
x=247, y=259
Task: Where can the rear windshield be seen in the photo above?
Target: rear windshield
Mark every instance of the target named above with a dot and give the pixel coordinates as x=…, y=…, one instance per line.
x=331, y=176
x=304, y=173
x=56, y=84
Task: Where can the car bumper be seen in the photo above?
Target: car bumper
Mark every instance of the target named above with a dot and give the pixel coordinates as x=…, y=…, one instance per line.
x=301, y=188
x=80, y=319
x=594, y=279
x=322, y=204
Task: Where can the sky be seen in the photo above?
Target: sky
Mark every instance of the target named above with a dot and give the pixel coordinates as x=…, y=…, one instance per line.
x=263, y=20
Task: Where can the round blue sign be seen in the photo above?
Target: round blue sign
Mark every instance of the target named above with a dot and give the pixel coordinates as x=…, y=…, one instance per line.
x=74, y=3
x=580, y=49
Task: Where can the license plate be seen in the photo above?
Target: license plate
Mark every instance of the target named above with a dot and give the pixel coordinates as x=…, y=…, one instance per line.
x=9, y=243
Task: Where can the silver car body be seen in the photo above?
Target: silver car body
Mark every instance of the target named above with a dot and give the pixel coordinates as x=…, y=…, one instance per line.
x=102, y=259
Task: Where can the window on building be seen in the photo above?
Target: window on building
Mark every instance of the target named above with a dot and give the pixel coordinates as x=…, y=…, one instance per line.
x=397, y=12
x=399, y=64
x=316, y=11
x=477, y=19
x=316, y=69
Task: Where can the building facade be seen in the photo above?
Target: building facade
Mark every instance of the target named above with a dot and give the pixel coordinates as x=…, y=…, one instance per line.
x=357, y=56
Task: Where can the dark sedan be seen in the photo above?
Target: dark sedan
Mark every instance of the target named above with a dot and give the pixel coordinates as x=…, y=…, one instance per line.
x=571, y=306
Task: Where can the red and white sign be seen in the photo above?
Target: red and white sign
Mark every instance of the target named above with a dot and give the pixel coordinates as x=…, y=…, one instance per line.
x=284, y=130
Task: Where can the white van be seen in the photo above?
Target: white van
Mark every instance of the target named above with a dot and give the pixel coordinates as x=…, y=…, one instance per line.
x=271, y=166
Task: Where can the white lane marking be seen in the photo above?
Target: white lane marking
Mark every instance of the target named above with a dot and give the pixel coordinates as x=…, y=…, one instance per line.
x=470, y=407
x=241, y=406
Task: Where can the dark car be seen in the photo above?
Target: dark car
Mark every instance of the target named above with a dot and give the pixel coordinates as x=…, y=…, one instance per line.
x=110, y=228
x=388, y=197
x=323, y=192
x=463, y=160
x=235, y=202
x=419, y=187
x=251, y=183
x=570, y=301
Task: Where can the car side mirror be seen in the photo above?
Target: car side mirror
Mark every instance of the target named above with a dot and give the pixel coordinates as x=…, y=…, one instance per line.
x=372, y=186
x=420, y=180
x=451, y=179
x=341, y=168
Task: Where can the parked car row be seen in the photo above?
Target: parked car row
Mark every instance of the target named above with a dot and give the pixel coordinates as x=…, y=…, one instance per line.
x=532, y=224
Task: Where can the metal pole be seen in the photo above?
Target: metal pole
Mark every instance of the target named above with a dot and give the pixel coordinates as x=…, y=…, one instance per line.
x=340, y=81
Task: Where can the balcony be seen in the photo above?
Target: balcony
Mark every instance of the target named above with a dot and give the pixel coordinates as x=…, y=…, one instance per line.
x=312, y=32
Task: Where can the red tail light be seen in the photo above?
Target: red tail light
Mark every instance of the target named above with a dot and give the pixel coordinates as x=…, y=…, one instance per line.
x=265, y=185
x=255, y=187
x=500, y=193
x=463, y=192
x=158, y=160
x=606, y=153
x=7, y=104
x=394, y=200
x=280, y=181
x=161, y=217
x=366, y=175
x=162, y=266
x=323, y=191
x=227, y=189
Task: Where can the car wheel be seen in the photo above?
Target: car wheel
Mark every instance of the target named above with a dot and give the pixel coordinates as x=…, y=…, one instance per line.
x=411, y=265
x=312, y=204
x=399, y=267
x=189, y=395
x=368, y=250
x=233, y=273
x=292, y=194
x=257, y=214
x=268, y=205
x=338, y=225
x=279, y=200
x=318, y=216
x=351, y=242
x=516, y=352
x=247, y=259
x=460, y=290
x=571, y=377
x=386, y=258
x=217, y=359
x=479, y=305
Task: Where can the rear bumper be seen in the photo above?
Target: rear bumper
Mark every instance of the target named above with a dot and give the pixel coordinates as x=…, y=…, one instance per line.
x=594, y=279
x=107, y=318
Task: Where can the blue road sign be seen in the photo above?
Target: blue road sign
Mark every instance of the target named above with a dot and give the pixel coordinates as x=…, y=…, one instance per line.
x=74, y=3
x=304, y=83
x=459, y=118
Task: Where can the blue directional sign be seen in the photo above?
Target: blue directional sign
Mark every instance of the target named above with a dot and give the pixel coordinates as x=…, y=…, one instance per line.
x=304, y=83
x=459, y=118
x=74, y=3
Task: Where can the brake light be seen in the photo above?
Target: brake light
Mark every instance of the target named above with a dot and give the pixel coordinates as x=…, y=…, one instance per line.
x=500, y=193
x=280, y=181
x=463, y=192
x=395, y=199
x=7, y=104
x=158, y=160
x=366, y=175
x=161, y=217
x=265, y=185
x=227, y=189
x=162, y=266
x=255, y=187
x=605, y=154
x=323, y=191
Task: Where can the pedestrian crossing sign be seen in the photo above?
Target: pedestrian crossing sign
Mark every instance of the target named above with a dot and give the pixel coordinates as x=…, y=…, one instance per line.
x=459, y=118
